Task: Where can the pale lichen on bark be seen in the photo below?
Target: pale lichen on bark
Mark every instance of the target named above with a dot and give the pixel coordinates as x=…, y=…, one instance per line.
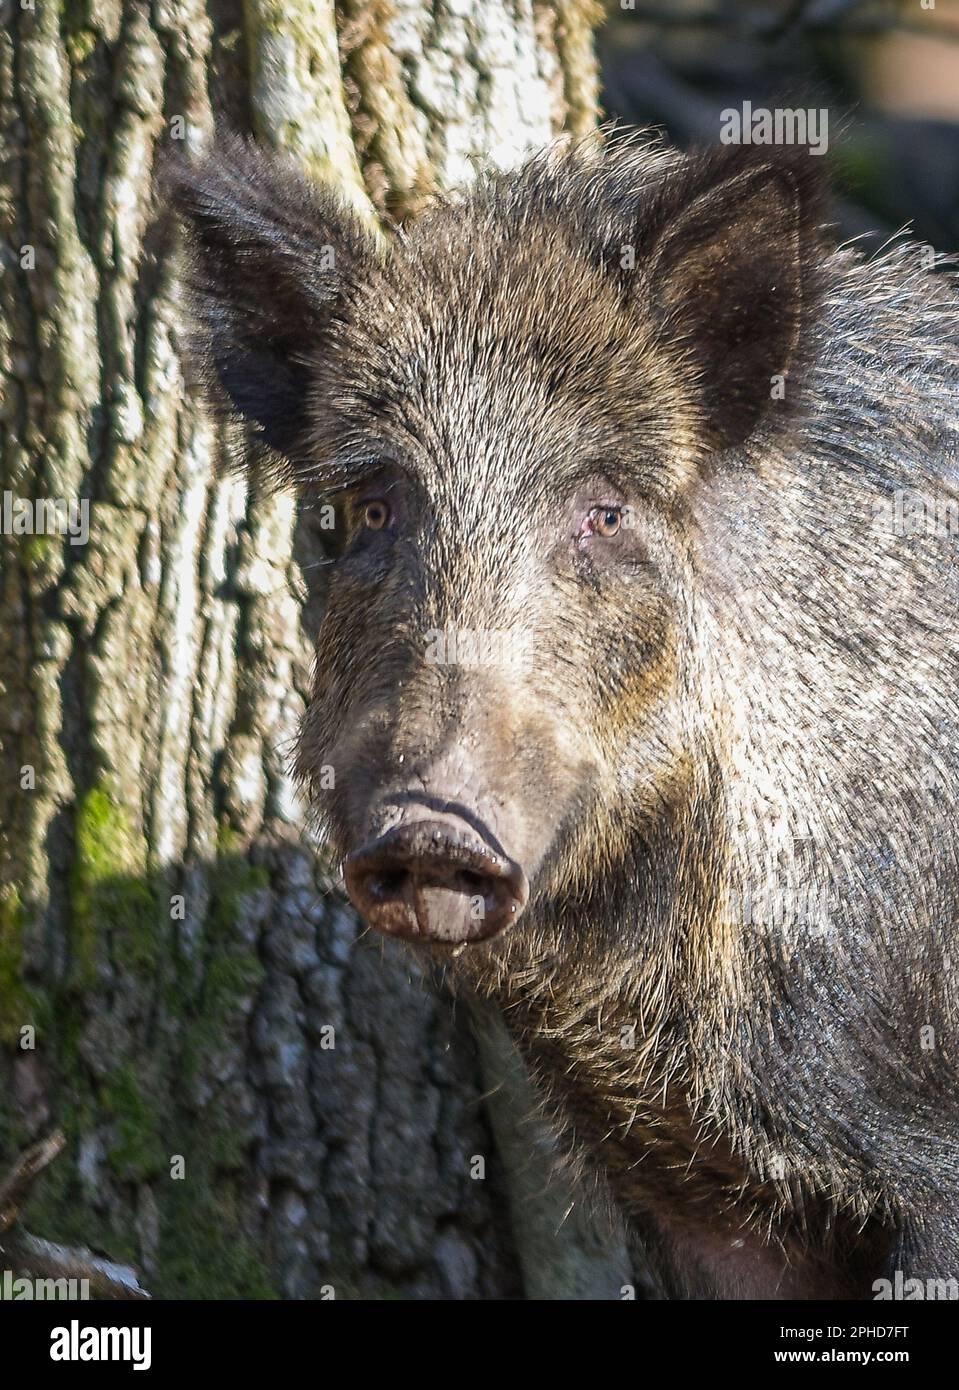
x=297, y=90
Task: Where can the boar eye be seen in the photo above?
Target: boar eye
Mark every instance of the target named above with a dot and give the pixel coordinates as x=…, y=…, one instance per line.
x=376, y=514
x=604, y=521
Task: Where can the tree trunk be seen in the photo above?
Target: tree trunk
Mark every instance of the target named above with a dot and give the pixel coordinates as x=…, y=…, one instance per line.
x=258, y=1100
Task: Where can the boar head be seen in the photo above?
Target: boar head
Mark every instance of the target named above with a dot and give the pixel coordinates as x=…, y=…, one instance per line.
x=511, y=408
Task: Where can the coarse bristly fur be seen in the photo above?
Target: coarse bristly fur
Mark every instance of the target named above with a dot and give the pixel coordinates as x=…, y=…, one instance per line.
x=727, y=755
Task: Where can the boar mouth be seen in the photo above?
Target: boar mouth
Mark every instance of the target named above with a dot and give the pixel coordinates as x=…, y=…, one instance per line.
x=435, y=881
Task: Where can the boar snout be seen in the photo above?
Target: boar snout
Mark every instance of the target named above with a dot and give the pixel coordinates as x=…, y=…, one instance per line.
x=435, y=880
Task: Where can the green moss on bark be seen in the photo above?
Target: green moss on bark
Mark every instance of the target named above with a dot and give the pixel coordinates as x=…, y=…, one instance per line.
x=19, y=1005
x=60, y=1210
x=204, y=1253
x=138, y=1151
x=205, y=1250
x=111, y=892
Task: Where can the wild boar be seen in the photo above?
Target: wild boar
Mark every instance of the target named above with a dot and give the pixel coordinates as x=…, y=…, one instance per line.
x=638, y=671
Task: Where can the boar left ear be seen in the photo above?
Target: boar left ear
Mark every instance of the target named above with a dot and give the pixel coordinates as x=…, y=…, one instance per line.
x=732, y=283
x=271, y=258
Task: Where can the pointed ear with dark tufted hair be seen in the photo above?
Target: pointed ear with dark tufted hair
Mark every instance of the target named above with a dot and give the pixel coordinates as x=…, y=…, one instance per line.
x=271, y=260
x=734, y=243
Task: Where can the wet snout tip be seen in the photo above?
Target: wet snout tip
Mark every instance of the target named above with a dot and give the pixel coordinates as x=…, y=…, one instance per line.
x=435, y=881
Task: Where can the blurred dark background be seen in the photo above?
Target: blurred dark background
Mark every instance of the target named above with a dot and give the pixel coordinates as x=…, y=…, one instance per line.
x=887, y=73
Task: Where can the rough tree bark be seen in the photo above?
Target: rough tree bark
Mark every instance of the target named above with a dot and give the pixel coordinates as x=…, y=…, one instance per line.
x=256, y=1100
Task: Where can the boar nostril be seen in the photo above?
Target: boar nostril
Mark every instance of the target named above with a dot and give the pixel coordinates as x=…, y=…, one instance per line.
x=433, y=880
x=385, y=885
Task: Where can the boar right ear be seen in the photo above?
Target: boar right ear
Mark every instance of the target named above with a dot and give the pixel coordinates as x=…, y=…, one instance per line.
x=732, y=278
x=270, y=259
